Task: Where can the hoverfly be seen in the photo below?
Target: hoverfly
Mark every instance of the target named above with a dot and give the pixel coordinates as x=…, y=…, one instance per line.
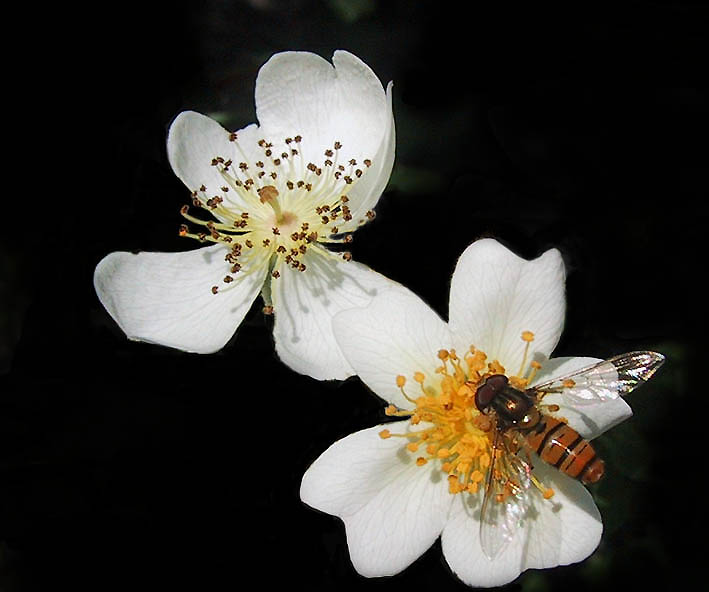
x=521, y=428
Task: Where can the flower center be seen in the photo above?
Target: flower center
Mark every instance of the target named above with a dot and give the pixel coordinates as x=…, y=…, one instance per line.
x=270, y=212
x=458, y=436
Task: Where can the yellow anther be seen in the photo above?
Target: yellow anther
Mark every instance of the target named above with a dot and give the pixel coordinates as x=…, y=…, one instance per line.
x=527, y=336
x=390, y=410
x=465, y=391
x=419, y=377
x=447, y=467
x=443, y=453
x=495, y=367
x=412, y=446
x=400, y=381
x=420, y=461
x=548, y=493
x=568, y=383
x=443, y=354
x=476, y=476
x=534, y=364
x=384, y=434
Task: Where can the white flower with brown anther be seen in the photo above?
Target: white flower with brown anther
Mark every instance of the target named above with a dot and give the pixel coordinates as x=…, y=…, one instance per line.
x=268, y=200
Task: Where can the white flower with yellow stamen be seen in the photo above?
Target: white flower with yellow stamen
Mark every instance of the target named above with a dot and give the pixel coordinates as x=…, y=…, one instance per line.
x=268, y=199
x=400, y=486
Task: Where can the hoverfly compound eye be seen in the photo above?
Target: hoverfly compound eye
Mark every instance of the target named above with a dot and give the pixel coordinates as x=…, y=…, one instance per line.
x=488, y=390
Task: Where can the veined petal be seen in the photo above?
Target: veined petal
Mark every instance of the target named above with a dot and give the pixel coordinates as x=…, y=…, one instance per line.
x=591, y=420
x=166, y=298
x=496, y=295
x=366, y=193
x=305, y=303
x=393, y=510
x=397, y=334
x=563, y=530
x=302, y=93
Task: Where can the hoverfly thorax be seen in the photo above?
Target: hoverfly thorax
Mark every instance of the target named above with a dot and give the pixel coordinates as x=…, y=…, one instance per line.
x=512, y=406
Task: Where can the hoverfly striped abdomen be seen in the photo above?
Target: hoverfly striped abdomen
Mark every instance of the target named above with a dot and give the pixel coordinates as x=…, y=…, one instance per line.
x=561, y=446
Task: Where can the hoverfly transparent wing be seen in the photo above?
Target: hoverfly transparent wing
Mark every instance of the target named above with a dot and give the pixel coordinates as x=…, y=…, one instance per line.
x=506, y=500
x=605, y=380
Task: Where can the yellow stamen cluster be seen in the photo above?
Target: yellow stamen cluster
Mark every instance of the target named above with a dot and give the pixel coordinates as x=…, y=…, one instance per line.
x=270, y=212
x=459, y=436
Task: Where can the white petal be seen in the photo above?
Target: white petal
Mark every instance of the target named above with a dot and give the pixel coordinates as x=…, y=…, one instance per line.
x=305, y=303
x=393, y=510
x=166, y=298
x=496, y=295
x=563, y=530
x=397, y=334
x=195, y=139
x=590, y=420
x=366, y=192
x=301, y=93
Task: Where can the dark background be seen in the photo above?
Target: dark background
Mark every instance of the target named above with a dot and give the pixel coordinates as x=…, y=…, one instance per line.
x=135, y=467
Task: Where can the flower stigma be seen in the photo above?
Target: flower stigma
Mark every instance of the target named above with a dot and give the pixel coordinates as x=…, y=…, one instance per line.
x=457, y=434
x=272, y=211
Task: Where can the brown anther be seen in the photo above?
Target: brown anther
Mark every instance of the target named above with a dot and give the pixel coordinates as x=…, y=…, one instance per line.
x=224, y=189
x=338, y=145
x=367, y=162
x=275, y=230
x=325, y=219
x=289, y=184
x=236, y=268
x=329, y=153
x=301, y=267
x=228, y=279
x=276, y=274
x=202, y=188
x=348, y=238
x=248, y=243
x=183, y=230
x=259, y=164
x=268, y=309
x=232, y=137
x=215, y=289
x=184, y=210
x=347, y=256
x=266, y=242
x=267, y=193
x=371, y=215
x=298, y=139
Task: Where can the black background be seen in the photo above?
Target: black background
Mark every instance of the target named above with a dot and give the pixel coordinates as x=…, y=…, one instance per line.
x=130, y=466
